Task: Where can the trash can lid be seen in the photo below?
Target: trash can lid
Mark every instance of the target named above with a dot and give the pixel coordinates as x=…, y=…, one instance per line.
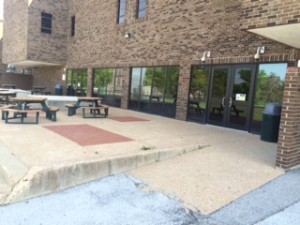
x=273, y=109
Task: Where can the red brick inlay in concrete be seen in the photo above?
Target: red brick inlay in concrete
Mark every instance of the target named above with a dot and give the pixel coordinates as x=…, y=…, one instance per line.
x=127, y=119
x=86, y=135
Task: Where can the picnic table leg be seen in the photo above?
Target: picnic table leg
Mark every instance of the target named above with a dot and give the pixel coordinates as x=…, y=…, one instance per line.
x=22, y=118
x=51, y=115
x=37, y=117
x=106, y=112
x=6, y=116
x=83, y=112
x=72, y=111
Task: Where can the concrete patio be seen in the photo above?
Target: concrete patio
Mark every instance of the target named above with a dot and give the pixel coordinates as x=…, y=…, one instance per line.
x=206, y=167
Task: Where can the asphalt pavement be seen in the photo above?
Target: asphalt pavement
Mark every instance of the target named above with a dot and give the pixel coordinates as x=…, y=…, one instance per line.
x=123, y=199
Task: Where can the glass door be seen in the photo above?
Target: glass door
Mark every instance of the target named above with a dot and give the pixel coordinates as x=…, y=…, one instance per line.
x=217, y=101
x=240, y=96
x=231, y=96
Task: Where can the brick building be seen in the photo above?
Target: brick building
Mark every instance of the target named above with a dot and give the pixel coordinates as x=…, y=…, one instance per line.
x=209, y=61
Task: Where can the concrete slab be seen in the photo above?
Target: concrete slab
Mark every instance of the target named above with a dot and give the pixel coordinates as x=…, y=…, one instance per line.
x=234, y=164
x=265, y=202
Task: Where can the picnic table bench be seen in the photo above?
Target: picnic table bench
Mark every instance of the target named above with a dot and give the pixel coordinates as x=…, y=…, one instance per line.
x=22, y=103
x=94, y=107
x=19, y=113
x=95, y=111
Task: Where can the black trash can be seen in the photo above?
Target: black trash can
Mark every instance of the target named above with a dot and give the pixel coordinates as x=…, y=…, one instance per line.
x=270, y=122
x=58, y=89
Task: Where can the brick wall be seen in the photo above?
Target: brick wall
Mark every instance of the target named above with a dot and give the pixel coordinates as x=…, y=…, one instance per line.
x=125, y=87
x=48, y=77
x=174, y=31
x=23, y=39
x=183, y=91
x=50, y=48
x=288, y=154
x=21, y=81
x=264, y=13
x=15, y=30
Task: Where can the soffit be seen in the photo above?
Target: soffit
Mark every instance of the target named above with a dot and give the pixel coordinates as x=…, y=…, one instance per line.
x=286, y=34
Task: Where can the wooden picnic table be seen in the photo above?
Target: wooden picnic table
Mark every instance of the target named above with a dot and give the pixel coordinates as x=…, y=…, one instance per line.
x=22, y=103
x=6, y=96
x=94, y=101
x=38, y=90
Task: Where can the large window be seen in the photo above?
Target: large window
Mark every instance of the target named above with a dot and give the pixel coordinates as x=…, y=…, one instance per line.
x=77, y=82
x=122, y=10
x=107, y=83
x=269, y=89
x=198, y=94
x=141, y=8
x=46, y=23
x=154, y=90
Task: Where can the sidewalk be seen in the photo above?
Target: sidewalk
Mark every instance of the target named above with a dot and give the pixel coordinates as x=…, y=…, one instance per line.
x=206, y=167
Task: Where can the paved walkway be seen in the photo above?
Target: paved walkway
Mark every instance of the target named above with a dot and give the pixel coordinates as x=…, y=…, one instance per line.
x=204, y=166
x=121, y=199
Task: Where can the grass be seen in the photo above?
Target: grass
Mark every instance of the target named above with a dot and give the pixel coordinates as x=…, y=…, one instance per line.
x=146, y=148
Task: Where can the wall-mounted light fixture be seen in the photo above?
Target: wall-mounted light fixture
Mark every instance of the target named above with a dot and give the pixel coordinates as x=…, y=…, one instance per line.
x=206, y=55
x=259, y=51
x=127, y=35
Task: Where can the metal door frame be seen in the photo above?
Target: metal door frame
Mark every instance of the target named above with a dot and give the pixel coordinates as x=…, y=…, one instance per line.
x=229, y=90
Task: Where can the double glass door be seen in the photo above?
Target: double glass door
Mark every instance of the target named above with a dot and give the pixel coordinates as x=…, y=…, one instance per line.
x=230, y=96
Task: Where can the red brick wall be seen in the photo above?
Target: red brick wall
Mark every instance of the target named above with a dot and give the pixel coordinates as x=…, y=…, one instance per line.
x=288, y=154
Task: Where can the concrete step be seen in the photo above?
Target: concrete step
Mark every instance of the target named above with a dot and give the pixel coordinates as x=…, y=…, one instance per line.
x=41, y=180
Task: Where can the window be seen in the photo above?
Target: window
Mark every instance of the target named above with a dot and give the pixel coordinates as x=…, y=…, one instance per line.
x=107, y=83
x=77, y=82
x=72, y=25
x=141, y=8
x=270, y=84
x=122, y=9
x=154, y=90
x=198, y=94
x=46, y=24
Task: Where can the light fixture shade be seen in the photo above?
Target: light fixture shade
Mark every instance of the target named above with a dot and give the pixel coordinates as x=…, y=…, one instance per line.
x=259, y=51
x=127, y=35
x=206, y=54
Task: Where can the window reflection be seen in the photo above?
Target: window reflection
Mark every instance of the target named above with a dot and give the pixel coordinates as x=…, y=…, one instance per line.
x=198, y=93
x=269, y=89
x=107, y=83
x=154, y=90
x=77, y=82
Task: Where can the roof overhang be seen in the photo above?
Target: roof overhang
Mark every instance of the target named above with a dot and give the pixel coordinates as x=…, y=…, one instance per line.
x=287, y=34
x=30, y=64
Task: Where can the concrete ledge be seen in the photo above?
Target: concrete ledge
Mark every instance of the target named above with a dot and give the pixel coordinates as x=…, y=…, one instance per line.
x=11, y=169
x=11, y=172
x=44, y=180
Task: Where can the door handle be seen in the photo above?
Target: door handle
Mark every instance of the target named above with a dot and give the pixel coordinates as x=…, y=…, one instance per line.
x=223, y=101
x=230, y=102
